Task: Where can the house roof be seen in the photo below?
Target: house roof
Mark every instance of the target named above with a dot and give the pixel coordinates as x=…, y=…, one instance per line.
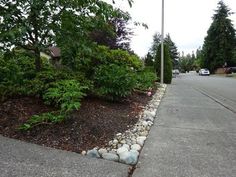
x=55, y=52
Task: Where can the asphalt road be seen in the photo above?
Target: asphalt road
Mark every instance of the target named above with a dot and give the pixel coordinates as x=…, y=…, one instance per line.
x=221, y=89
x=194, y=132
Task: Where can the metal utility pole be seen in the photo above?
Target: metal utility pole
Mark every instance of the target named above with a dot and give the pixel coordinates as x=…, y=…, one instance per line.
x=162, y=44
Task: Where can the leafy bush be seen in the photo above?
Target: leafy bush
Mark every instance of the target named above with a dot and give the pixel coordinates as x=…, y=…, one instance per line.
x=10, y=78
x=121, y=57
x=26, y=65
x=17, y=76
x=104, y=56
x=45, y=78
x=44, y=118
x=66, y=94
x=145, y=80
x=113, y=81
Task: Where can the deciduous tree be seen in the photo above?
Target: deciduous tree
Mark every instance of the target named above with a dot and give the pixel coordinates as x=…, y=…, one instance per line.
x=34, y=25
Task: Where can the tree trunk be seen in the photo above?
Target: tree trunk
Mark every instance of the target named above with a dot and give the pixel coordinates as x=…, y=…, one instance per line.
x=37, y=60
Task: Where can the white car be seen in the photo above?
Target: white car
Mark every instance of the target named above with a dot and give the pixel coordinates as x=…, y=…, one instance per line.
x=204, y=72
x=175, y=71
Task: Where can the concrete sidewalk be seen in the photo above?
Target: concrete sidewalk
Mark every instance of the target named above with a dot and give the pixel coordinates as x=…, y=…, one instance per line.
x=193, y=136
x=20, y=159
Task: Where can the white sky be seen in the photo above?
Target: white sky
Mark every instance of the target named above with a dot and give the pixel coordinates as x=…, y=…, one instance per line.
x=187, y=21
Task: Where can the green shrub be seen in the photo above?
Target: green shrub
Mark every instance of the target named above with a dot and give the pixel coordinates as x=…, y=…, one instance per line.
x=66, y=94
x=121, y=57
x=11, y=78
x=45, y=118
x=9, y=71
x=104, y=56
x=145, y=80
x=113, y=81
x=45, y=78
x=167, y=64
x=17, y=76
x=26, y=65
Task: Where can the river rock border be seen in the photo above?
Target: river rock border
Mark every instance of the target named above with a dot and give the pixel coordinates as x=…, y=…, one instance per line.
x=125, y=147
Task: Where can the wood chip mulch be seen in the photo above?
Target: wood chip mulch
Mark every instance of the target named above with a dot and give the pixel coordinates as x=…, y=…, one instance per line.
x=93, y=125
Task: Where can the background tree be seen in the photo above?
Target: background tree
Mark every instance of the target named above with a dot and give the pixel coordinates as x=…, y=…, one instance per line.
x=155, y=44
x=198, y=61
x=173, y=51
x=187, y=63
x=174, y=54
x=220, y=40
x=149, y=60
x=34, y=25
x=115, y=34
x=167, y=64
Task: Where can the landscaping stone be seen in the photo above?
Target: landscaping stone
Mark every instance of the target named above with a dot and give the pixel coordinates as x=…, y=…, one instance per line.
x=102, y=151
x=150, y=113
x=125, y=146
x=140, y=140
x=144, y=123
x=119, y=134
x=122, y=149
x=136, y=147
x=113, y=151
x=122, y=141
x=93, y=153
x=129, y=158
x=149, y=119
x=135, y=152
x=110, y=156
x=115, y=141
x=83, y=152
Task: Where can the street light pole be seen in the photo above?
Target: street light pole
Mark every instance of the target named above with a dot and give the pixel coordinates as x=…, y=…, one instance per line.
x=162, y=44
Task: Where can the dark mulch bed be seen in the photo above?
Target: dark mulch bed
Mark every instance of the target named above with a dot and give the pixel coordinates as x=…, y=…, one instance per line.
x=93, y=125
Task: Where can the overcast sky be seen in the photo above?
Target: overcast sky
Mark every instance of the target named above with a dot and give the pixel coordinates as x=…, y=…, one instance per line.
x=187, y=21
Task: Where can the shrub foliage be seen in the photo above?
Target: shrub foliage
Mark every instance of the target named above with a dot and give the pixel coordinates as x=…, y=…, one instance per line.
x=167, y=64
x=114, y=81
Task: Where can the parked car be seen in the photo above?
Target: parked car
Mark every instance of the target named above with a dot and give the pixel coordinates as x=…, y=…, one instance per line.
x=175, y=72
x=204, y=72
x=230, y=70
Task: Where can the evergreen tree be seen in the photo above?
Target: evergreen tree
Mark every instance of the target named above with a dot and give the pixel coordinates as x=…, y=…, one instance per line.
x=199, y=60
x=174, y=55
x=148, y=60
x=167, y=64
x=187, y=63
x=220, y=41
x=193, y=57
x=156, y=42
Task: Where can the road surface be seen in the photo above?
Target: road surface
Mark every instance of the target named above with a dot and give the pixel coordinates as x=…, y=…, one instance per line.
x=194, y=134
x=221, y=89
